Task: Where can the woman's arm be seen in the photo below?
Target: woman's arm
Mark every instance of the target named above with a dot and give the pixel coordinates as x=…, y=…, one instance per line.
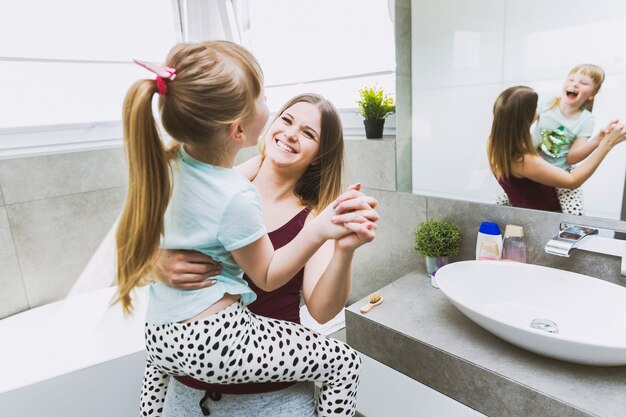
x=328, y=274
x=270, y=269
x=185, y=269
x=538, y=170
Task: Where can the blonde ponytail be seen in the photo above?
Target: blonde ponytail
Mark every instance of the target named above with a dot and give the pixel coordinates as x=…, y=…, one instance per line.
x=141, y=224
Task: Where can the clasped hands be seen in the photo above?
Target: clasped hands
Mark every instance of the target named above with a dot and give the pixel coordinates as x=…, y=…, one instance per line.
x=190, y=270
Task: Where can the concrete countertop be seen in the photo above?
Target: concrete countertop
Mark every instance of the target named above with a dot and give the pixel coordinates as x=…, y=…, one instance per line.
x=418, y=332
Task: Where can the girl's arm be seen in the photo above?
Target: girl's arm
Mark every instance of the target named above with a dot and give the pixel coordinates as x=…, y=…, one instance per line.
x=190, y=270
x=583, y=146
x=538, y=170
x=270, y=269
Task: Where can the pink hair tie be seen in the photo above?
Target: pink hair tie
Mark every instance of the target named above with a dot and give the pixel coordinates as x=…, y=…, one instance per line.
x=163, y=73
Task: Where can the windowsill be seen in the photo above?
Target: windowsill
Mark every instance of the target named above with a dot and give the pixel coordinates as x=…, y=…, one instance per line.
x=42, y=140
x=51, y=139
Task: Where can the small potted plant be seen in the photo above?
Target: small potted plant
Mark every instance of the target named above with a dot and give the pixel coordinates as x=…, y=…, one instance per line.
x=374, y=105
x=436, y=240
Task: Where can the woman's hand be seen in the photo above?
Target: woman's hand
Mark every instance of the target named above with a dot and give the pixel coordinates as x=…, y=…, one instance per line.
x=363, y=217
x=614, y=136
x=363, y=233
x=185, y=269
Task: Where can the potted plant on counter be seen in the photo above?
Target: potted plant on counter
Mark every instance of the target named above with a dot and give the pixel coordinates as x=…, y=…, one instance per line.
x=437, y=240
x=374, y=105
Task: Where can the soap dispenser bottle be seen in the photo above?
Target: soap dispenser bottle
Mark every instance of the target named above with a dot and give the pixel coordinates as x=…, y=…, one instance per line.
x=514, y=245
x=488, y=232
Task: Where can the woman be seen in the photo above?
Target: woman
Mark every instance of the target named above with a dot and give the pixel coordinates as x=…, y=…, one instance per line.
x=299, y=170
x=528, y=179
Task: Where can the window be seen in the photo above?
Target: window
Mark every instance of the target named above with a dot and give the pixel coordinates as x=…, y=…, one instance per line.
x=69, y=61
x=326, y=46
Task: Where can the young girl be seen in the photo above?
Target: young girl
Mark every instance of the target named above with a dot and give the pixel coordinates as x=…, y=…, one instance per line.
x=526, y=177
x=563, y=133
x=301, y=157
x=211, y=101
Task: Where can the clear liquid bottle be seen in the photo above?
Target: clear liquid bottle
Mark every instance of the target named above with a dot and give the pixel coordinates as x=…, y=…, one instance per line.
x=514, y=245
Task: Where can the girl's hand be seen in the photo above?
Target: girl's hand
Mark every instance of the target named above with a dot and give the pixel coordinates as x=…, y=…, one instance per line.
x=364, y=232
x=185, y=269
x=330, y=222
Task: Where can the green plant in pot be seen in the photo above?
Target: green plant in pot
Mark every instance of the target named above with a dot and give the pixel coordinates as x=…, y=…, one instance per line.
x=437, y=240
x=374, y=105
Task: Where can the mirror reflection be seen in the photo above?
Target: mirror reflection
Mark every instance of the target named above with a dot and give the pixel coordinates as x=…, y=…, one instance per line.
x=465, y=56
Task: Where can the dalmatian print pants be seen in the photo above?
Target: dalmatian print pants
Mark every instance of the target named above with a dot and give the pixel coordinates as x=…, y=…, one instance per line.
x=235, y=346
x=571, y=201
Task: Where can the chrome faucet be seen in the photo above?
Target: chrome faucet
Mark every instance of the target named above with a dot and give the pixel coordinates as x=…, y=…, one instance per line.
x=587, y=238
x=570, y=237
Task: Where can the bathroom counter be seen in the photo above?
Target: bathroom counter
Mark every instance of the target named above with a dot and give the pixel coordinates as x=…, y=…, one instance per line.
x=419, y=333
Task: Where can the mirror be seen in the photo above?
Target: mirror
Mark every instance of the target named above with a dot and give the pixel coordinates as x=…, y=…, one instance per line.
x=465, y=52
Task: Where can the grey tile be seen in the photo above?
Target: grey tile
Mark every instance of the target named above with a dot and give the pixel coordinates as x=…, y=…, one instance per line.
x=56, y=237
x=371, y=162
x=12, y=293
x=391, y=254
x=403, y=38
x=476, y=387
x=38, y=177
x=404, y=176
x=1, y=196
x=418, y=332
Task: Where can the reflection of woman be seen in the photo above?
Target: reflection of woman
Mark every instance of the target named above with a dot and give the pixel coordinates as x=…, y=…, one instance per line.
x=528, y=179
x=300, y=169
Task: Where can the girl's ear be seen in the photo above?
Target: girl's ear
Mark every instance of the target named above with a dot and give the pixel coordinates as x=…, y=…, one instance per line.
x=235, y=131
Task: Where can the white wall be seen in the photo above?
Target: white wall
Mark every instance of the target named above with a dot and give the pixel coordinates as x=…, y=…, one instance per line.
x=465, y=52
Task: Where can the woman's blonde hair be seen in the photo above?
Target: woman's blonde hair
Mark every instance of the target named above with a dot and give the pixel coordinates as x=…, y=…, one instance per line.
x=321, y=182
x=595, y=72
x=217, y=83
x=510, y=138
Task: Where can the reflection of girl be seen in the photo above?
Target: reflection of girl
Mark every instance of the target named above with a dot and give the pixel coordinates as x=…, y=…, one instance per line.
x=526, y=177
x=300, y=167
x=212, y=102
x=564, y=130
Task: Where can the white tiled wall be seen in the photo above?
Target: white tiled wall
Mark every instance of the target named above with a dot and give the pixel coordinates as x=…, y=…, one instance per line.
x=465, y=52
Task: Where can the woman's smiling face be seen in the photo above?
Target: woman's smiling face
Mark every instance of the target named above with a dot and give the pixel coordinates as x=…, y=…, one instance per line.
x=294, y=137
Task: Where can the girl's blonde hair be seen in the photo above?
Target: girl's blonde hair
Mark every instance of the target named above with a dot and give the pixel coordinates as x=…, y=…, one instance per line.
x=510, y=138
x=595, y=72
x=321, y=182
x=216, y=84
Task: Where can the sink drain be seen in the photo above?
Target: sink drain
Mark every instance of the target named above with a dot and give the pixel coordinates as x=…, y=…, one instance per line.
x=545, y=325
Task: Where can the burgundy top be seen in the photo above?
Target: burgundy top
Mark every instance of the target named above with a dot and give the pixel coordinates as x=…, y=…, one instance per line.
x=282, y=303
x=526, y=193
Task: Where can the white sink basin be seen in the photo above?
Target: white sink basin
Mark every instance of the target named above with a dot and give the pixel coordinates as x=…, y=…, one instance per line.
x=579, y=319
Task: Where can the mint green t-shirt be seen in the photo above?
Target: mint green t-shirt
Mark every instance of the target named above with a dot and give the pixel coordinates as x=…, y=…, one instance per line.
x=213, y=210
x=554, y=134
